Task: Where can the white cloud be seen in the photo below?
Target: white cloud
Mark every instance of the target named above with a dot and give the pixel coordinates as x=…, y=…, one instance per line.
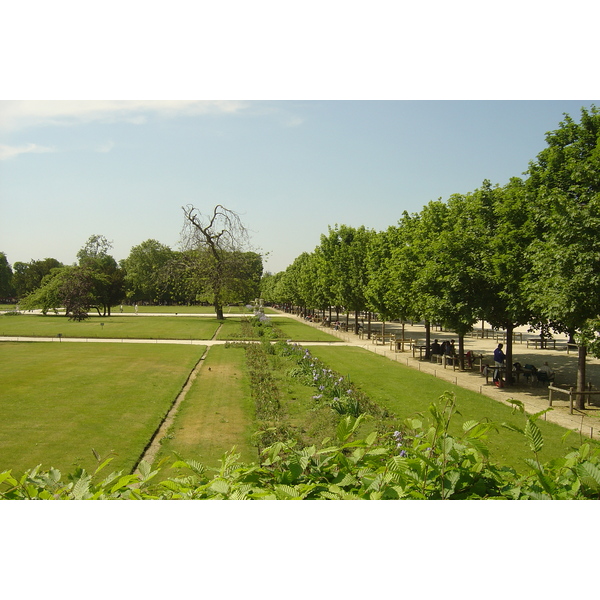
x=294, y=122
x=106, y=147
x=12, y=151
x=16, y=115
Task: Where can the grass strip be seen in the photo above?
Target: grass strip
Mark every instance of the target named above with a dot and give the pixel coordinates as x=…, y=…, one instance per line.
x=58, y=401
x=405, y=392
x=182, y=310
x=217, y=412
x=117, y=327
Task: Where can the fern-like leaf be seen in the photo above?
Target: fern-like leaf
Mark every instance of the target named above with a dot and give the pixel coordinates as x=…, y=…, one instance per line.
x=534, y=436
x=589, y=475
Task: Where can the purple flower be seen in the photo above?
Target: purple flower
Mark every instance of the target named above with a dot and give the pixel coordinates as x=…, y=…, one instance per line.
x=403, y=453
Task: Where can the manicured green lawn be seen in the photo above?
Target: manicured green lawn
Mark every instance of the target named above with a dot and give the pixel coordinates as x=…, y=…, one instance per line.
x=405, y=392
x=232, y=329
x=118, y=327
x=203, y=310
x=58, y=401
x=299, y=332
x=217, y=412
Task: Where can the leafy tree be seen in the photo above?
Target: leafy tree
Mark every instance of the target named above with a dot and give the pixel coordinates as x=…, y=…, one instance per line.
x=345, y=252
x=394, y=259
x=268, y=287
x=504, y=223
x=74, y=288
x=290, y=289
x=145, y=271
x=6, y=275
x=564, y=186
x=28, y=276
x=108, y=284
x=244, y=281
x=450, y=281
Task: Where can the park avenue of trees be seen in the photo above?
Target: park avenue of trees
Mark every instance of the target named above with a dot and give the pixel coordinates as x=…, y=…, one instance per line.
x=524, y=253
x=527, y=252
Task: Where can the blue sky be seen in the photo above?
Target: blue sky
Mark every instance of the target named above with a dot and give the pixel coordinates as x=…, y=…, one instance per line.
x=290, y=168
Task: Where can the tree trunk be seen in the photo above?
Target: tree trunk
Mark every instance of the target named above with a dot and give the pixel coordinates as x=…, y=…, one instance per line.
x=355, y=322
x=509, y=361
x=427, y=340
x=461, y=351
x=219, y=311
x=580, y=398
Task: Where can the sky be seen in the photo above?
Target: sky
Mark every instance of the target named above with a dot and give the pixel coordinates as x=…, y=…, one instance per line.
x=125, y=169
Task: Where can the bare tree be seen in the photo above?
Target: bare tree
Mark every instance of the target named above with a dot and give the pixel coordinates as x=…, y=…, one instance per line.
x=222, y=237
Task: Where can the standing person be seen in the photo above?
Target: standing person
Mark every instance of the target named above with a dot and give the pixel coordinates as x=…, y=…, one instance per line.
x=499, y=358
x=136, y=312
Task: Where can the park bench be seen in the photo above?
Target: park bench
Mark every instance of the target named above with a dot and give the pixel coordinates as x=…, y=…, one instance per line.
x=542, y=344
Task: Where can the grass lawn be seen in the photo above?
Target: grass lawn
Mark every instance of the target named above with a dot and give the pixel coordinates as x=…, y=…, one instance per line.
x=405, y=391
x=300, y=332
x=58, y=401
x=182, y=328
x=201, y=310
x=217, y=412
x=232, y=329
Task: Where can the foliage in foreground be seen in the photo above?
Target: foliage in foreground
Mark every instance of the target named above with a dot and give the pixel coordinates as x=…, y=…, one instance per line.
x=420, y=462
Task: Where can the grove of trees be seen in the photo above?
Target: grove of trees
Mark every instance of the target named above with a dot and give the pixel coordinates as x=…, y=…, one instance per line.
x=527, y=252
x=151, y=274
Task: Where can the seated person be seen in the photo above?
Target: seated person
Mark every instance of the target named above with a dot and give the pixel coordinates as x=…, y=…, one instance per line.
x=436, y=348
x=545, y=373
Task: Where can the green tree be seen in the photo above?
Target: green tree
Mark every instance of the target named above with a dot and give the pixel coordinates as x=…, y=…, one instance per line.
x=345, y=252
x=268, y=287
x=244, y=281
x=74, y=288
x=108, y=284
x=450, y=282
x=145, y=271
x=28, y=276
x=6, y=275
x=564, y=186
x=503, y=222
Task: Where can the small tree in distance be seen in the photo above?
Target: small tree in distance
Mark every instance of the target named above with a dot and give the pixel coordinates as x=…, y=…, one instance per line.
x=220, y=240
